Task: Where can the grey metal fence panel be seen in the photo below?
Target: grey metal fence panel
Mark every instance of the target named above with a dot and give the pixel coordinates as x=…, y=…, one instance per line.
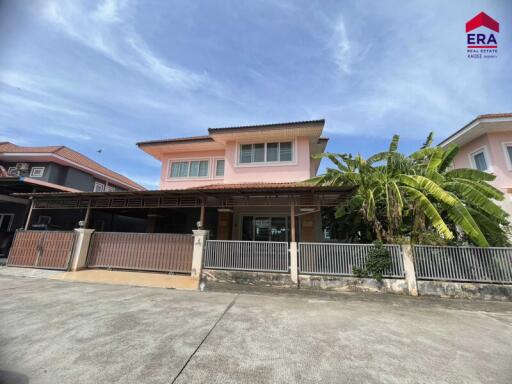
x=339, y=259
x=490, y=265
x=267, y=256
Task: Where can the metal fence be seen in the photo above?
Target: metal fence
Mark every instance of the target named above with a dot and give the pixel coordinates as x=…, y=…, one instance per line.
x=42, y=249
x=161, y=252
x=339, y=259
x=491, y=265
x=268, y=256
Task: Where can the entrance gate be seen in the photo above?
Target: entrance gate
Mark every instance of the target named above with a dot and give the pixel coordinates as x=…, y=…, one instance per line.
x=158, y=252
x=41, y=249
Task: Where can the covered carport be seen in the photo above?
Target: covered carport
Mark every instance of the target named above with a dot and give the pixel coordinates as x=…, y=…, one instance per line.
x=152, y=230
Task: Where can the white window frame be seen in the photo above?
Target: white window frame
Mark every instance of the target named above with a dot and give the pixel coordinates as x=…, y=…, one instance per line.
x=11, y=218
x=266, y=163
x=210, y=161
x=35, y=170
x=485, y=152
x=508, y=160
x=98, y=184
x=11, y=169
x=110, y=188
x=214, y=170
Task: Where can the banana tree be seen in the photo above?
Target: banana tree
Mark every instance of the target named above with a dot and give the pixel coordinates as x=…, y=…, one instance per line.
x=400, y=195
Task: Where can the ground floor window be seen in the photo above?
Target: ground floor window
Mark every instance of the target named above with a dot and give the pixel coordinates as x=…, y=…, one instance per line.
x=264, y=228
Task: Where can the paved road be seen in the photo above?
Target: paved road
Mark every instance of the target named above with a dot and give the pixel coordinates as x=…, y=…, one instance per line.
x=61, y=332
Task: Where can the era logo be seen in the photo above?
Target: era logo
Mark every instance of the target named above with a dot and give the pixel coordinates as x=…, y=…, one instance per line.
x=482, y=40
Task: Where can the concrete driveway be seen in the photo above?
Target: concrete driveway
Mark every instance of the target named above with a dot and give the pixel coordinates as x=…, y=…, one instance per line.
x=61, y=332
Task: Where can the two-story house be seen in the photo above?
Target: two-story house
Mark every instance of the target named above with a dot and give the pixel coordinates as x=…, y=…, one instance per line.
x=47, y=169
x=260, y=157
x=486, y=144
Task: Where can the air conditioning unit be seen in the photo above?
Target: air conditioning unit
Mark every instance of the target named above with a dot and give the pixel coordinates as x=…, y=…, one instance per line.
x=22, y=166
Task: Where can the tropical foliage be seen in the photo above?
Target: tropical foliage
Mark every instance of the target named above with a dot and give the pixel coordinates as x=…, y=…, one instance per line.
x=416, y=197
x=378, y=262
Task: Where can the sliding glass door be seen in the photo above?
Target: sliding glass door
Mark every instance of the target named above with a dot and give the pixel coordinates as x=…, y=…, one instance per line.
x=265, y=228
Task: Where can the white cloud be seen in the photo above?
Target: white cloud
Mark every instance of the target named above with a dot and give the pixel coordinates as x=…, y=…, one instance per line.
x=162, y=71
x=409, y=82
x=343, y=49
x=105, y=31
x=67, y=133
x=109, y=10
x=29, y=104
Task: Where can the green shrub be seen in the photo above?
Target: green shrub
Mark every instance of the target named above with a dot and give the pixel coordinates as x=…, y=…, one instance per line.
x=377, y=263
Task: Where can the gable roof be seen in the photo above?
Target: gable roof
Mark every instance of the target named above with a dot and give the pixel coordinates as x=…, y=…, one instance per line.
x=73, y=157
x=465, y=130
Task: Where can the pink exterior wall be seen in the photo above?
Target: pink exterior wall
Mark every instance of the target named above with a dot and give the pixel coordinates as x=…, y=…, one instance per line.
x=300, y=169
x=495, y=155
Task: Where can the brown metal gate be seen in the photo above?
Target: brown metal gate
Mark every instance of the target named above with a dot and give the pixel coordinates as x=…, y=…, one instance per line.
x=163, y=252
x=42, y=249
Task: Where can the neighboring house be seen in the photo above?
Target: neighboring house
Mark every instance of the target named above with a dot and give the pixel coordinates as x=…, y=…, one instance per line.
x=486, y=144
x=47, y=169
x=258, y=157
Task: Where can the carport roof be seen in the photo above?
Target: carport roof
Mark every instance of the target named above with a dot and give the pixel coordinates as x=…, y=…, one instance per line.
x=220, y=195
x=223, y=188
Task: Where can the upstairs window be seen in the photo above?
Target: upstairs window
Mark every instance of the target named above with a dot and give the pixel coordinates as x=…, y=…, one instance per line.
x=480, y=160
x=99, y=187
x=192, y=169
x=285, y=151
x=508, y=154
x=179, y=169
x=13, y=171
x=37, y=172
x=266, y=152
x=219, y=168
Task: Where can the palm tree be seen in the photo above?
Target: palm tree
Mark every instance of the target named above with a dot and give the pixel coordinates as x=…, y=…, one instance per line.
x=400, y=195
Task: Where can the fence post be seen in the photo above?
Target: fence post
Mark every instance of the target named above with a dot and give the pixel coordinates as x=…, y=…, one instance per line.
x=200, y=237
x=294, y=270
x=410, y=273
x=79, y=254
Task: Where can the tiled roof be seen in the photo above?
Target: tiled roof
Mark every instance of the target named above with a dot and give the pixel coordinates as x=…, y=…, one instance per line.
x=480, y=117
x=220, y=188
x=494, y=116
x=256, y=185
x=176, y=141
x=264, y=126
x=73, y=156
x=262, y=186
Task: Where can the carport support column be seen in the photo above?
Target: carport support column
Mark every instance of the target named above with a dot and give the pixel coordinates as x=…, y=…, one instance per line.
x=294, y=270
x=79, y=255
x=200, y=237
x=410, y=272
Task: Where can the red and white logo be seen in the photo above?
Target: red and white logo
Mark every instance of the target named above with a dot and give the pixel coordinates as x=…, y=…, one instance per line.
x=482, y=43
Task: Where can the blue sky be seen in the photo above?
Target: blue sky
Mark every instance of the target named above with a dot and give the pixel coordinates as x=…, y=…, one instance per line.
x=105, y=74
